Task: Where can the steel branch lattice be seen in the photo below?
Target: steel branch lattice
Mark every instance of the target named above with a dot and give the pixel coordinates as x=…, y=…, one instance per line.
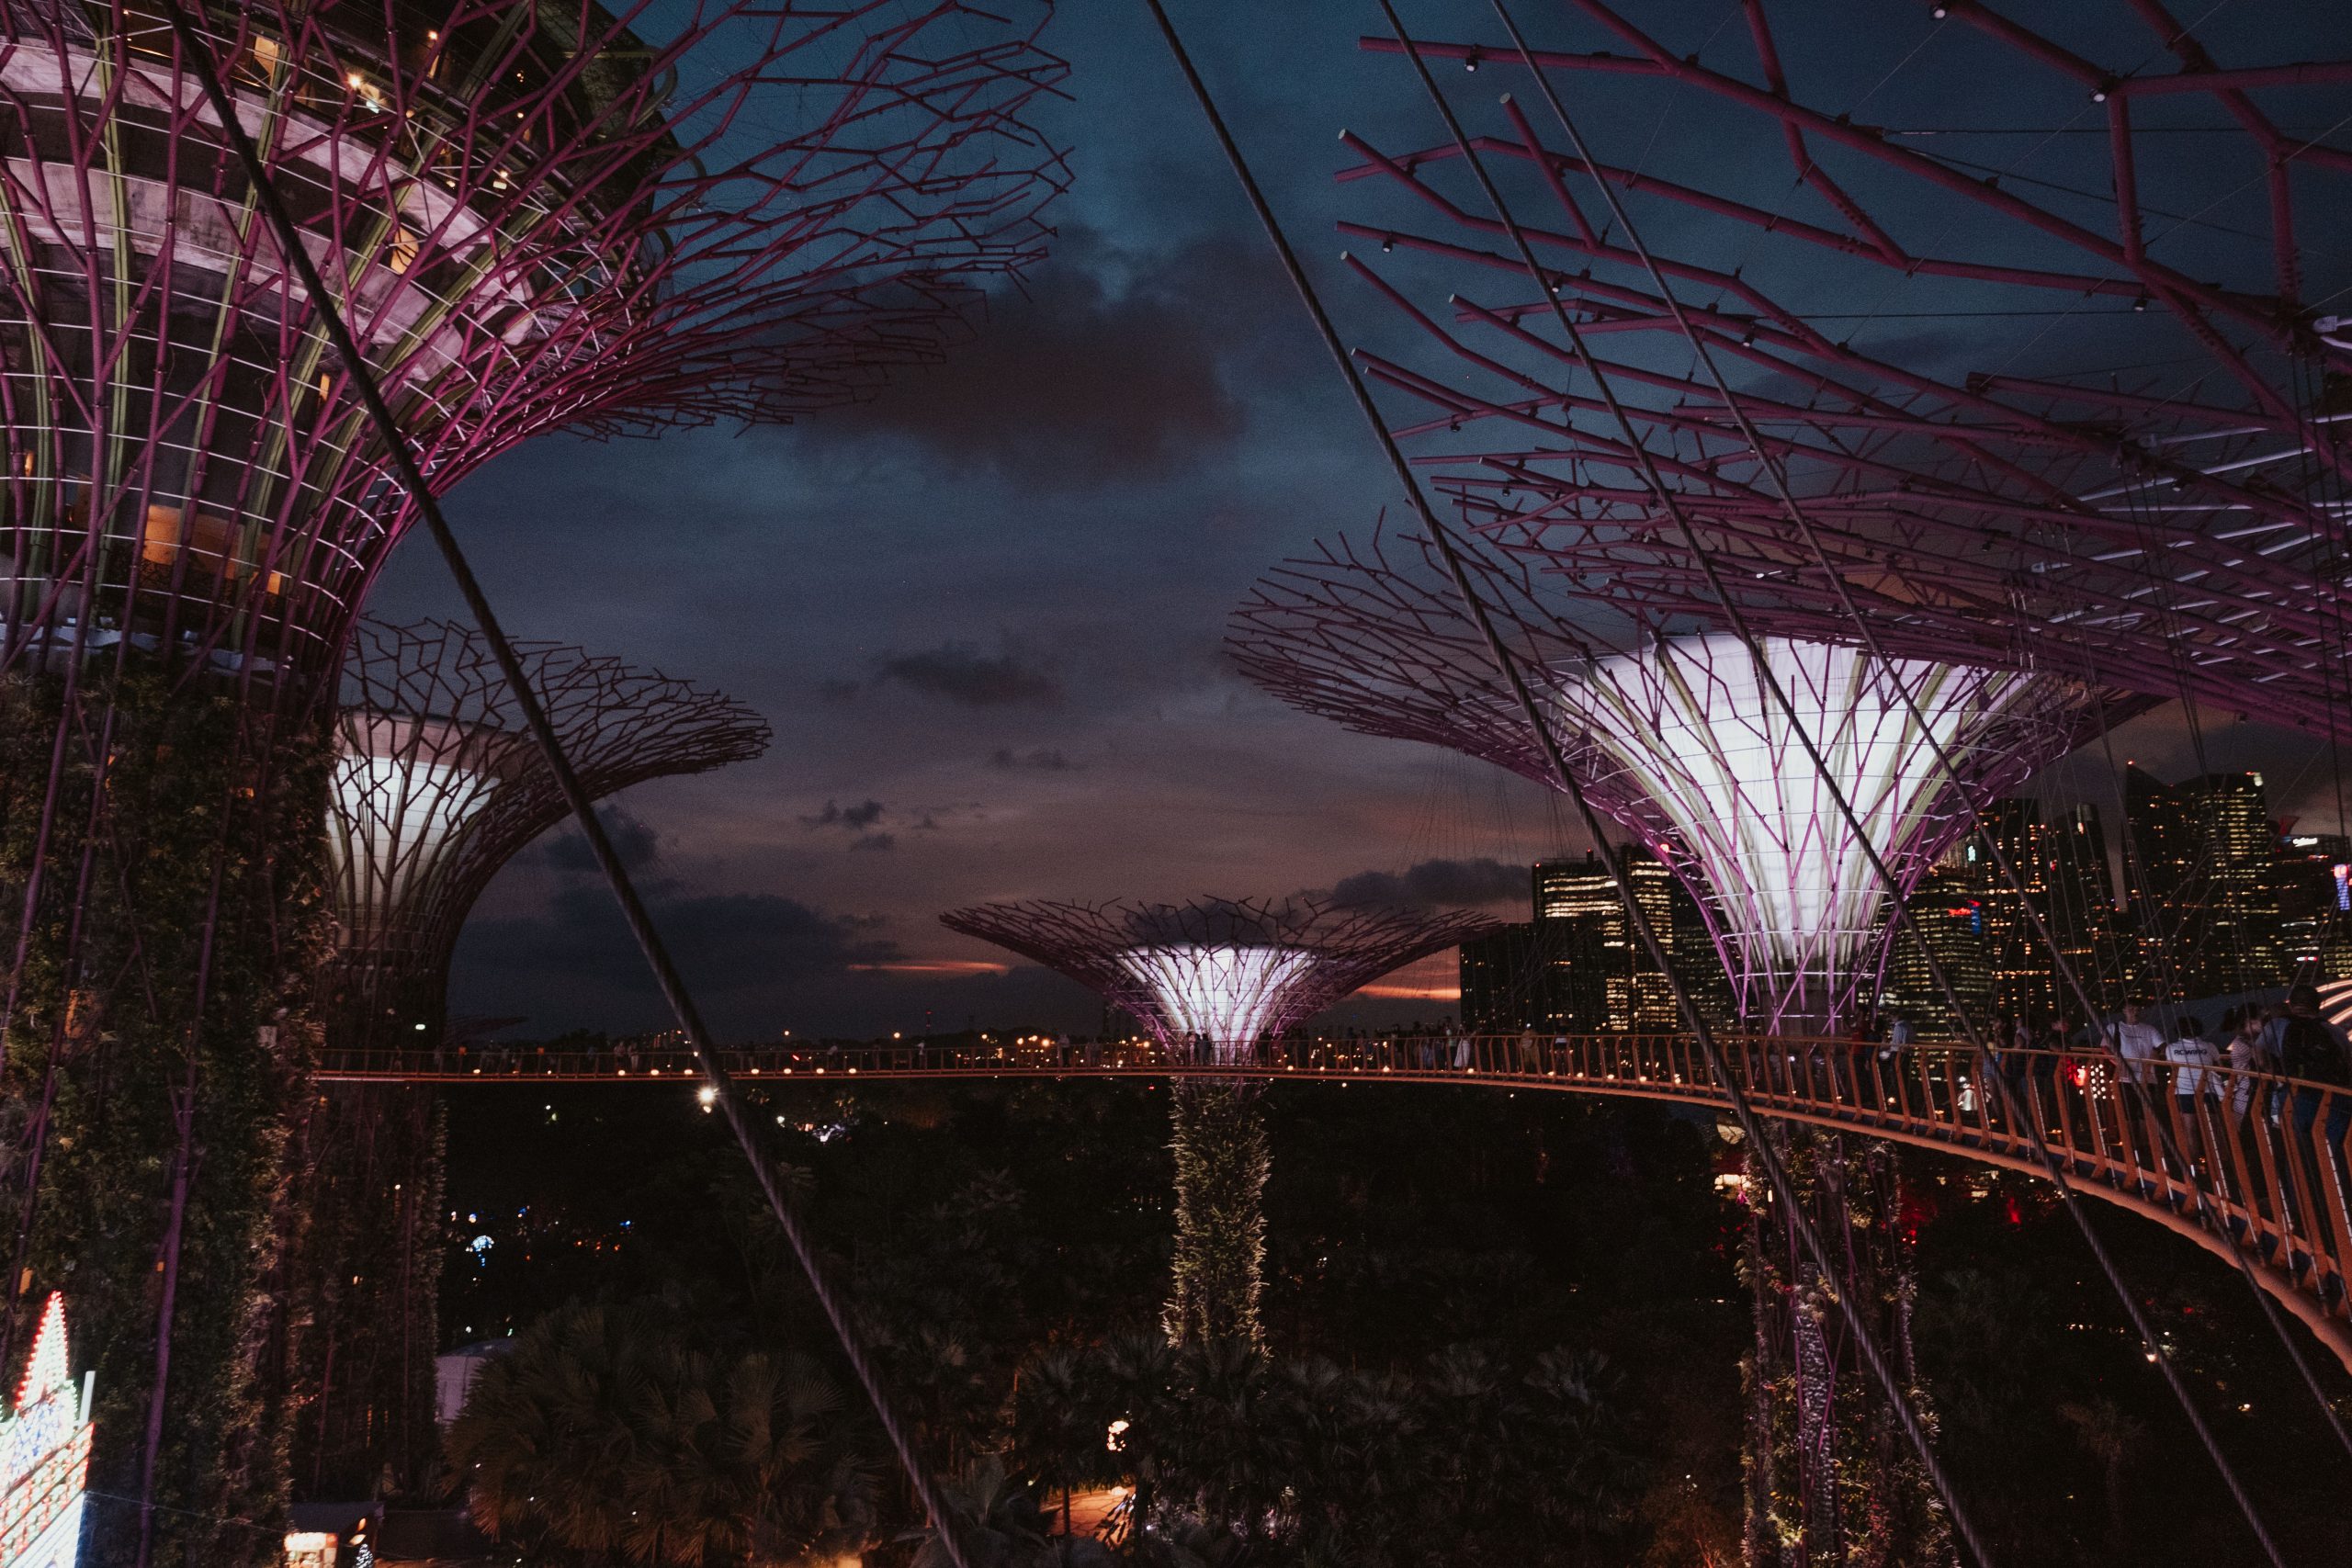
x=435, y=789
x=1674, y=737
x=538, y=217
x=1226, y=972
x=2128, y=470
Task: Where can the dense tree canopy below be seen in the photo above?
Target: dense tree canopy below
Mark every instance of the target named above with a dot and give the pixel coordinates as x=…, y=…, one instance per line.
x=1449, y=1274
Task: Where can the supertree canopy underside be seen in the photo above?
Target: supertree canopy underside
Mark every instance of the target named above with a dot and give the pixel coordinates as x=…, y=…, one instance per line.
x=1676, y=739
x=1228, y=971
x=435, y=786
x=538, y=216
x=2038, y=379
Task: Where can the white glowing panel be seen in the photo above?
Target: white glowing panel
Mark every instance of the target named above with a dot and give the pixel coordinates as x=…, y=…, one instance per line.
x=1690, y=726
x=393, y=820
x=1230, y=994
x=45, y=1455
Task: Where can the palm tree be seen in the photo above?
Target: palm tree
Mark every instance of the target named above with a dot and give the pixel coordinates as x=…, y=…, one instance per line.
x=1059, y=1427
x=609, y=1435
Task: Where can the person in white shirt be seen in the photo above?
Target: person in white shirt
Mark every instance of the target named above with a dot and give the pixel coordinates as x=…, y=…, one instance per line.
x=2248, y=1055
x=2138, y=1042
x=2194, y=1059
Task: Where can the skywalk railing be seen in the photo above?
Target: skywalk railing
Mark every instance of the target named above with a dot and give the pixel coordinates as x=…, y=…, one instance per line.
x=2260, y=1159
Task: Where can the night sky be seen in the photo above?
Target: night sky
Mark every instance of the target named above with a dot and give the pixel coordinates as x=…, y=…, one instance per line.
x=984, y=611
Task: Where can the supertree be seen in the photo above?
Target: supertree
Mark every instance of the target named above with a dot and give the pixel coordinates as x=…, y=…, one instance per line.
x=2053, y=352
x=1671, y=733
x=1215, y=981
x=539, y=217
x=435, y=788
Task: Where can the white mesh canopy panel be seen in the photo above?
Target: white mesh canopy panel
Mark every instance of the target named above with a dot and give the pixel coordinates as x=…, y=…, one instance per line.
x=1690, y=749
x=1232, y=995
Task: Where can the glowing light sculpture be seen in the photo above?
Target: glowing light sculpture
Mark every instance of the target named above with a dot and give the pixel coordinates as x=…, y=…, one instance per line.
x=1226, y=972
x=435, y=788
x=1673, y=735
x=1212, y=980
x=45, y=1454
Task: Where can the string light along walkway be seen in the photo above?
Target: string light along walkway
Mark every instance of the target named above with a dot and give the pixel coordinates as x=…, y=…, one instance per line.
x=2281, y=1191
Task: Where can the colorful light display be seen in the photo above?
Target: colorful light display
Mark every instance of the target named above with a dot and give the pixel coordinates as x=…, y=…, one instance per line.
x=1223, y=971
x=45, y=1454
x=1677, y=739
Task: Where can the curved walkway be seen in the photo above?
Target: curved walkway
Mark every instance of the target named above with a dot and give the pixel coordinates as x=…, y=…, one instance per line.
x=2266, y=1156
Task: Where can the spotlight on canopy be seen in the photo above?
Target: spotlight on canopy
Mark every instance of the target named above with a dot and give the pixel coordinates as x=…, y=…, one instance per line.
x=1230, y=971
x=1673, y=735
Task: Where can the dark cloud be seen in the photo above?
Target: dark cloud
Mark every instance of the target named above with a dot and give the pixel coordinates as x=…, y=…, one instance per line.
x=567, y=851
x=1100, y=371
x=878, y=842
x=856, y=819
x=958, y=673
x=1451, y=882
x=1043, y=762
x=724, y=942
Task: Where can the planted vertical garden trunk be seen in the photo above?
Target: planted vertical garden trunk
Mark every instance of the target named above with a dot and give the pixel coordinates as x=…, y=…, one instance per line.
x=163, y=891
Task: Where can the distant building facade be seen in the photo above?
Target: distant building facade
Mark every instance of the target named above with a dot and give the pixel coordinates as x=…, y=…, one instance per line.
x=1575, y=967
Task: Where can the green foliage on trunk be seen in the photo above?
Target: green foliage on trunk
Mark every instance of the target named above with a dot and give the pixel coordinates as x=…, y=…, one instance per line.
x=1831, y=1478
x=1222, y=1160
x=180, y=911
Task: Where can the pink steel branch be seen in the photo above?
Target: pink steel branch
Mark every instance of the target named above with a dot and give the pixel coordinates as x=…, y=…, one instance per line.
x=437, y=786
x=538, y=219
x=1382, y=646
x=1155, y=961
x=2177, y=529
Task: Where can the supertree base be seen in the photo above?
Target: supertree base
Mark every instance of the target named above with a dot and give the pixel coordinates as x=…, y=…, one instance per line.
x=1222, y=1160
x=162, y=895
x=1831, y=1480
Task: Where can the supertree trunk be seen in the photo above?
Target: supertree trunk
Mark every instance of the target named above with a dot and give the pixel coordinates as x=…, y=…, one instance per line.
x=1832, y=1483
x=362, y=1287
x=162, y=884
x=1222, y=1158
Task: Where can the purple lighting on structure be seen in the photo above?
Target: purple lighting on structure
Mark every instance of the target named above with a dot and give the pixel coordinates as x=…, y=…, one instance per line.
x=435, y=788
x=1674, y=737
x=2031, y=385
x=1232, y=972
x=542, y=216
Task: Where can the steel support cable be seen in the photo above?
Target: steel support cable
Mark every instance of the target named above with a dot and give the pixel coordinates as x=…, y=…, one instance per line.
x=195, y=53
x=1765, y=677
x=1751, y=1126
x=2218, y=1223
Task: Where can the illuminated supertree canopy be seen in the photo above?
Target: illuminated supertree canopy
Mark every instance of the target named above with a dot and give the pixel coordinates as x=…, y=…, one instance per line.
x=1675, y=736
x=1228, y=971
x=2044, y=381
x=435, y=786
x=540, y=216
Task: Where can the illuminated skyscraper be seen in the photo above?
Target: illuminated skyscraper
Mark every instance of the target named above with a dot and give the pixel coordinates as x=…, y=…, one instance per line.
x=2199, y=875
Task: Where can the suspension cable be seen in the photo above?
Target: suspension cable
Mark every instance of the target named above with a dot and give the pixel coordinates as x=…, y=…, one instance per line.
x=195, y=51
x=1751, y=1126
x=2151, y=1113
x=1769, y=681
